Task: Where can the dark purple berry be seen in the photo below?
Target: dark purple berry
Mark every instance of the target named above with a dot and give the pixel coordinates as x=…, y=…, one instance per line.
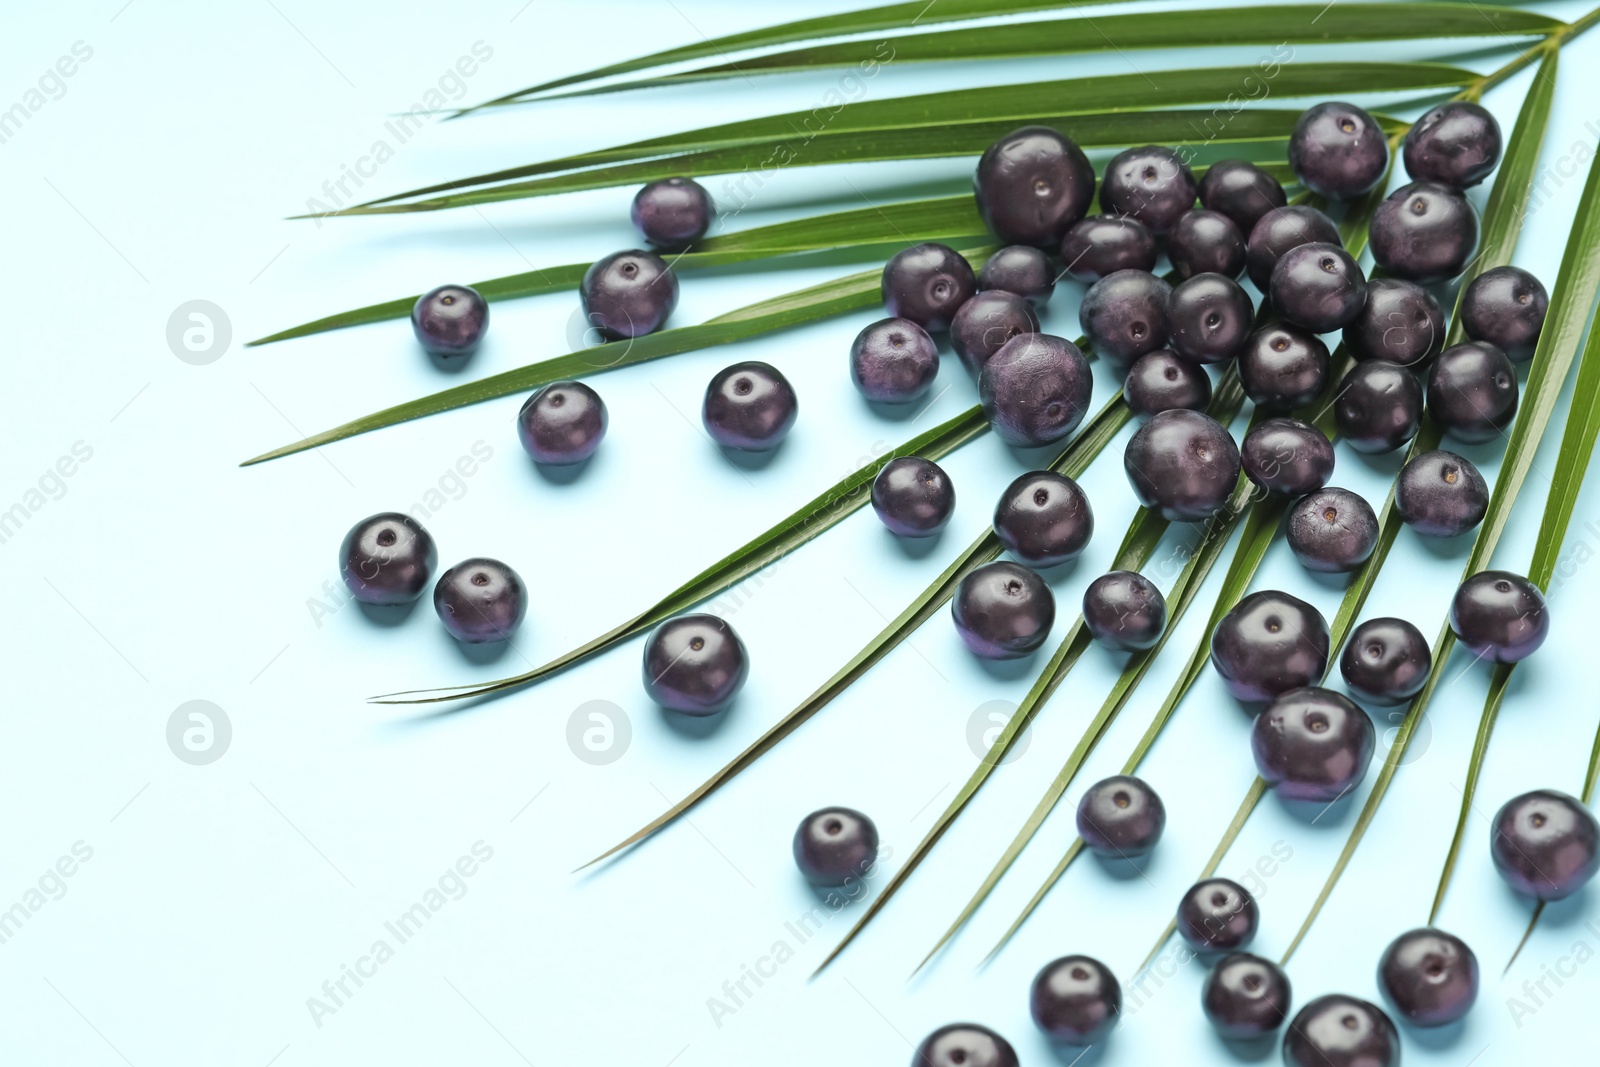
x=1318, y=286
x=1124, y=610
x=1076, y=1000
x=1431, y=977
x=1035, y=390
x=964, y=1045
x=1242, y=191
x=1161, y=381
x=893, y=361
x=1378, y=406
x=1287, y=456
x=1124, y=315
x=1283, y=367
x=450, y=321
x=1268, y=644
x=1441, y=494
x=1020, y=269
x=1545, y=844
x=480, y=600
x=1338, y=150
x=1152, y=184
x=1104, y=244
x=1031, y=185
x=1003, y=611
x=749, y=406
x=1280, y=230
x=1043, y=519
x=835, y=846
x=1182, y=465
x=1386, y=661
x=1455, y=144
x=563, y=423
x=1400, y=323
x=913, y=496
x=387, y=558
x=926, y=283
x=1332, y=530
x=1217, y=915
x=1472, y=391
x=672, y=213
x=1205, y=242
x=986, y=322
x=1313, y=744
x=1246, y=996
x=1500, y=616
x=1505, y=307
x=628, y=294
x=1121, y=817
x=1340, y=1031
x=1425, y=232
x=694, y=664
x=1208, y=318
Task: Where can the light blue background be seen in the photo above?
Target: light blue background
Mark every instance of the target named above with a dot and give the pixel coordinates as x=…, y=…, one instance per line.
x=219, y=898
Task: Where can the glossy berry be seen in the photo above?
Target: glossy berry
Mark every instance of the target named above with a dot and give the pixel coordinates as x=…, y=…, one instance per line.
x=1182, y=465
x=1104, y=244
x=1287, y=456
x=1246, y=996
x=1500, y=616
x=1455, y=144
x=1441, y=494
x=1431, y=977
x=1505, y=307
x=1280, y=230
x=387, y=558
x=1121, y=817
x=1076, y=1000
x=1242, y=191
x=834, y=846
x=694, y=664
x=893, y=361
x=1545, y=844
x=986, y=322
x=1318, y=286
x=1124, y=315
x=1031, y=185
x=628, y=294
x=1340, y=1031
x=450, y=321
x=1152, y=184
x=1043, y=519
x=672, y=213
x=1208, y=318
x=1313, y=744
x=1124, y=610
x=1020, y=269
x=562, y=424
x=1386, y=661
x=1035, y=390
x=964, y=1045
x=480, y=600
x=1378, y=406
x=926, y=283
x=1003, y=611
x=913, y=496
x=1400, y=323
x=1283, y=367
x=1217, y=915
x=1268, y=644
x=1472, y=391
x=1338, y=150
x=749, y=406
x=1205, y=242
x=1332, y=531
x=1425, y=232
x=1161, y=381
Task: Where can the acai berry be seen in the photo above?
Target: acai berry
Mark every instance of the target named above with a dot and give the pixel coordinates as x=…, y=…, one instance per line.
x=1205, y=242
x=1246, y=996
x=1441, y=494
x=1282, y=367
x=1104, y=244
x=694, y=664
x=1076, y=1000
x=1035, y=390
x=1505, y=307
x=1425, y=232
x=1287, y=456
x=387, y=558
x=749, y=406
x=1378, y=406
x=1161, y=381
x=1242, y=191
x=1386, y=661
x=1208, y=318
x=1472, y=391
x=450, y=321
x=1124, y=610
x=1217, y=915
x=1044, y=519
x=893, y=361
x=628, y=294
x=1499, y=616
x=1124, y=315
x=1332, y=530
x=672, y=213
x=1318, y=286
x=1020, y=269
x=1455, y=144
x=562, y=424
x=1431, y=977
x=964, y=1045
x=1280, y=230
x=1152, y=184
x=1268, y=644
x=1031, y=185
x=834, y=846
x=1313, y=744
x=913, y=496
x=1182, y=465
x=1401, y=322
x=480, y=600
x=1121, y=817
x=1338, y=150
x=1545, y=844
x=986, y=322
x=1340, y=1031
x=926, y=283
x=1003, y=611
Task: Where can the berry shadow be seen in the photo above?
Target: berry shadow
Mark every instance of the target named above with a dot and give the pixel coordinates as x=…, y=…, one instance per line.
x=1320, y=813
x=449, y=364
x=1123, y=868
x=915, y=547
x=482, y=653
x=388, y=615
x=1063, y=1053
x=749, y=461
x=562, y=473
x=1009, y=670
x=1432, y=1038
x=1251, y=1050
x=696, y=727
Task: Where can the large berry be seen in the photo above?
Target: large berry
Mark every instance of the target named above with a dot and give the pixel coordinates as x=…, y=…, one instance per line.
x=1032, y=184
x=1338, y=150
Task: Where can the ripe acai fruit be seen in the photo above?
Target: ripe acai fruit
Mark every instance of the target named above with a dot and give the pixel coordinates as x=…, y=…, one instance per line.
x=1431, y=977
x=1340, y=1031
x=1425, y=232
x=1161, y=381
x=1104, y=244
x=1217, y=915
x=749, y=406
x=1076, y=1000
x=672, y=213
x=1242, y=191
x=986, y=322
x=628, y=294
x=1287, y=456
x=1121, y=817
x=1003, y=611
x=480, y=600
x=1035, y=390
x=1338, y=150
x=1205, y=242
x=1031, y=185
x=1441, y=494
x=1124, y=314
x=1318, y=286
x=1378, y=406
x=964, y=1045
x=893, y=361
x=1313, y=744
x=1020, y=269
x=1545, y=844
x=562, y=424
x=1472, y=391
x=913, y=496
x=1332, y=531
x=1505, y=307
x=1500, y=616
x=1268, y=644
x=1152, y=184
x=1386, y=661
x=1455, y=144
x=833, y=846
x=926, y=283
x=1182, y=465
x=1245, y=996
x=1401, y=323
x=450, y=321
x=1124, y=610
x=1208, y=318
x=1280, y=230
x=1044, y=519
x=1282, y=367
x=694, y=664
x=387, y=558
